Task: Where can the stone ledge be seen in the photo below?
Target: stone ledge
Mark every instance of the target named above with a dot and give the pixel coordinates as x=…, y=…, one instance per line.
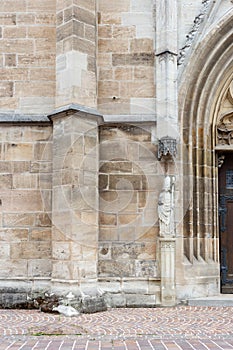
x=12, y=118
x=225, y=300
x=131, y=118
x=81, y=111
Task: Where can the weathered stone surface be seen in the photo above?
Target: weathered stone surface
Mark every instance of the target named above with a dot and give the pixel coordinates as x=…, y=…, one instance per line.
x=103, y=182
x=113, y=268
x=15, y=299
x=137, y=300
x=40, y=234
x=8, y=18
x=115, y=300
x=91, y=305
x=113, y=45
x=125, y=182
x=120, y=6
x=116, y=167
x=144, y=59
x=18, y=39
x=14, y=268
x=77, y=196
x=10, y=60
x=18, y=220
x=25, y=181
x=6, y=89
x=108, y=234
x=108, y=219
x=83, y=15
x=134, y=287
x=39, y=268
x=6, y=181
x=5, y=250
x=41, y=167
x=43, y=220
x=71, y=28
x=30, y=250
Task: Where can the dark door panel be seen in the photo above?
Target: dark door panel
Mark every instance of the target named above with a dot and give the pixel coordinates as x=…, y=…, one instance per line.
x=226, y=222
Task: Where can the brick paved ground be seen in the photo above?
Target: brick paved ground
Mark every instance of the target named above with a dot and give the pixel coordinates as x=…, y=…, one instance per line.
x=183, y=327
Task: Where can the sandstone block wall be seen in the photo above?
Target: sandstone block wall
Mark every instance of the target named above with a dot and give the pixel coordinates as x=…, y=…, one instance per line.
x=76, y=52
x=126, y=83
x=25, y=203
x=101, y=184
x=129, y=184
x=27, y=56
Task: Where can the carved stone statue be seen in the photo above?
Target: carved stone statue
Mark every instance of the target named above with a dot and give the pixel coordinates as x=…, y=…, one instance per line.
x=166, y=207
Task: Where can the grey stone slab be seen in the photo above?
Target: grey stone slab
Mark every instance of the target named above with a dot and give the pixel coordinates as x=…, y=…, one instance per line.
x=221, y=300
x=23, y=118
x=131, y=118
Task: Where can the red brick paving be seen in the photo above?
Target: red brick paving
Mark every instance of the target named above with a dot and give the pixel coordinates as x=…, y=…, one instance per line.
x=179, y=328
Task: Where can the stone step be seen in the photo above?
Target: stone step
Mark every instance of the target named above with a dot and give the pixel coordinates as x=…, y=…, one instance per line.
x=219, y=300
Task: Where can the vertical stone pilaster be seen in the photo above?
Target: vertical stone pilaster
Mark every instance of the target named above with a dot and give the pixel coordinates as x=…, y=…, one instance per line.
x=166, y=26
x=75, y=200
x=76, y=53
x=167, y=108
x=167, y=131
x=167, y=266
x=166, y=68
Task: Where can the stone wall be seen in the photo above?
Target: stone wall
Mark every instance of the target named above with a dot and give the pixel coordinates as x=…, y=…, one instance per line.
x=129, y=185
x=27, y=56
x=25, y=206
x=126, y=57
x=75, y=59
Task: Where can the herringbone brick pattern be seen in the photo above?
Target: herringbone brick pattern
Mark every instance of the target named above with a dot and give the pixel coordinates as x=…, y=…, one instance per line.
x=179, y=328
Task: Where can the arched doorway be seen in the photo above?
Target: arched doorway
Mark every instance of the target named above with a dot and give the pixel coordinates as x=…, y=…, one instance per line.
x=203, y=85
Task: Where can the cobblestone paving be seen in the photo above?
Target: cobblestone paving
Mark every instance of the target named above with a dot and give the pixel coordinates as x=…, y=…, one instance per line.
x=179, y=328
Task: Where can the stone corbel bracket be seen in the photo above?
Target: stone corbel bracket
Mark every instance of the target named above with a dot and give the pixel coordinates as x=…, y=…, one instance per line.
x=167, y=147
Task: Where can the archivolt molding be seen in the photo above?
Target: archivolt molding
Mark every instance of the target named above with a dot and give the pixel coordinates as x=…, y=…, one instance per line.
x=202, y=82
x=230, y=93
x=203, y=85
x=191, y=35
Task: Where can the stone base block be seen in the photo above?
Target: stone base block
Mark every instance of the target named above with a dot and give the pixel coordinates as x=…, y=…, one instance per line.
x=140, y=300
x=130, y=300
x=92, y=305
x=115, y=300
x=20, y=295
x=15, y=299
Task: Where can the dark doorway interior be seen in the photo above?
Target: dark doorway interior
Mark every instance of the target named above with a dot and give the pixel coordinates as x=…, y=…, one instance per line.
x=226, y=221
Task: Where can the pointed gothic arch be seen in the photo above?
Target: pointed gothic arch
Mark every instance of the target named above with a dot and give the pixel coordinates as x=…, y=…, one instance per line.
x=203, y=84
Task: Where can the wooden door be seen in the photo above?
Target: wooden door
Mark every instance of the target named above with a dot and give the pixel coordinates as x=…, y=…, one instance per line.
x=226, y=222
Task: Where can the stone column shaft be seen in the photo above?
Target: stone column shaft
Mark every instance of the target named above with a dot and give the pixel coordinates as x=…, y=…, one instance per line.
x=167, y=126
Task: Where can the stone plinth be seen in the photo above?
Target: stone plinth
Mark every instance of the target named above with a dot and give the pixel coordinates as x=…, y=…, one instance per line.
x=167, y=268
